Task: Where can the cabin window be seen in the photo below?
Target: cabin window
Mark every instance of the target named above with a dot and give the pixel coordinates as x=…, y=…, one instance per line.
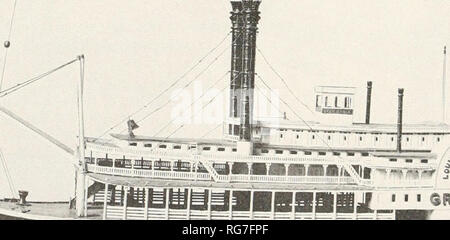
x=438, y=139
x=326, y=101
x=329, y=137
x=148, y=145
x=351, y=154
x=234, y=150
x=206, y=148
x=322, y=153
x=335, y=101
x=265, y=151
x=313, y=137
x=393, y=198
x=132, y=144
x=364, y=154
x=360, y=138
x=221, y=149
x=407, y=139
x=393, y=160
x=317, y=100
x=345, y=138
x=177, y=147
x=424, y=161
x=278, y=151
x=293, y=152
x=409, y=160
x=230, y=129
x=392, y=139
x=336, y=154
x=307, y=153
x=419, y=197
x=162, y=146
x=423, y=139
x=192, y=147
x=298, y=136
x=406, y=197
x=281, y=135
x=376, y=139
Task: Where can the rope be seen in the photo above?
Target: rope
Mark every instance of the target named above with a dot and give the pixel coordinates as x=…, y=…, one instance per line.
x=12, y=188
x=165, y=90
x=210, y=101
x=215, y=83
x=284, y=82
x=7, y=47
x=32, y=80
x=212, y=130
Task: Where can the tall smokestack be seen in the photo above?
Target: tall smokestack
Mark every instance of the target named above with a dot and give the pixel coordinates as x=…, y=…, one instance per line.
x=368, y=101
x=236, y=57
x=250, y=28
x=400, y=119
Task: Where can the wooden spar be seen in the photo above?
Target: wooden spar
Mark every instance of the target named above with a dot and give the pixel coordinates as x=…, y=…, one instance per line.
x=38, y=131
x=81, y=200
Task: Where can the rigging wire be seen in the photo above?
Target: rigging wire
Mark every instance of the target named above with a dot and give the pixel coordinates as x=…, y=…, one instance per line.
x=12, y=188
x=209, y=102
x=283, y=81
x=167, y=89
x=305, y=122
x=210, y=131
x=7, y=43
x=192, y=104
x=32, y=80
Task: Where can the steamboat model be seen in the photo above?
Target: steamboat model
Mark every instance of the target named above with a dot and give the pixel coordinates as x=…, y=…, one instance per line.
x=259, y=169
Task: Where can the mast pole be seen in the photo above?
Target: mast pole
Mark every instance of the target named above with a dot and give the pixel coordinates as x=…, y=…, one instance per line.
x=444, y=112
x=81, y=173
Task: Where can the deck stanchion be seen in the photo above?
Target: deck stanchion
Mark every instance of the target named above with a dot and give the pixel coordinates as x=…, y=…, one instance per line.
x=125, y=202
x=146, y=204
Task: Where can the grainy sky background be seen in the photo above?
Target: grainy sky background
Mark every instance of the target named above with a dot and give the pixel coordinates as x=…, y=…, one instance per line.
x=135, y=49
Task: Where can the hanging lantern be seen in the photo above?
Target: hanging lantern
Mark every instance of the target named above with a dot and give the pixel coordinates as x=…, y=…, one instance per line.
x=7, y=44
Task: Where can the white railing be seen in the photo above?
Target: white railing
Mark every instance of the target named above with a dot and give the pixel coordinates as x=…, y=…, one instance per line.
x=119, y=212
x=221, y=178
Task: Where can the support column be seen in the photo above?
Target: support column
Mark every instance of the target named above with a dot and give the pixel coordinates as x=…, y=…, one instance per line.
x=314, y=206
x=325, y=167
x=105, y=202
x=251, y=204
x=306, y=169
x=250, y=170
x=230, y=203
x=334, y=205
x=293, y=205
x=355, y=206
x=166, y=190
x=125, y=203
x=286, y=168
x=339, y=174
x=209, y=203
x=230, y=169
x=153, y=168
x=420, y=172
x=146, y=203
x=273, y=205
x=268, y=168
x=189, y=203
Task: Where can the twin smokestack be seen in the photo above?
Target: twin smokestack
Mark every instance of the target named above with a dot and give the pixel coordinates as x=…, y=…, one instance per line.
x=399, y=114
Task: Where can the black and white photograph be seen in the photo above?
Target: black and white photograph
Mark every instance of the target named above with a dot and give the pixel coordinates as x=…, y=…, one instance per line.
x=224, y=110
